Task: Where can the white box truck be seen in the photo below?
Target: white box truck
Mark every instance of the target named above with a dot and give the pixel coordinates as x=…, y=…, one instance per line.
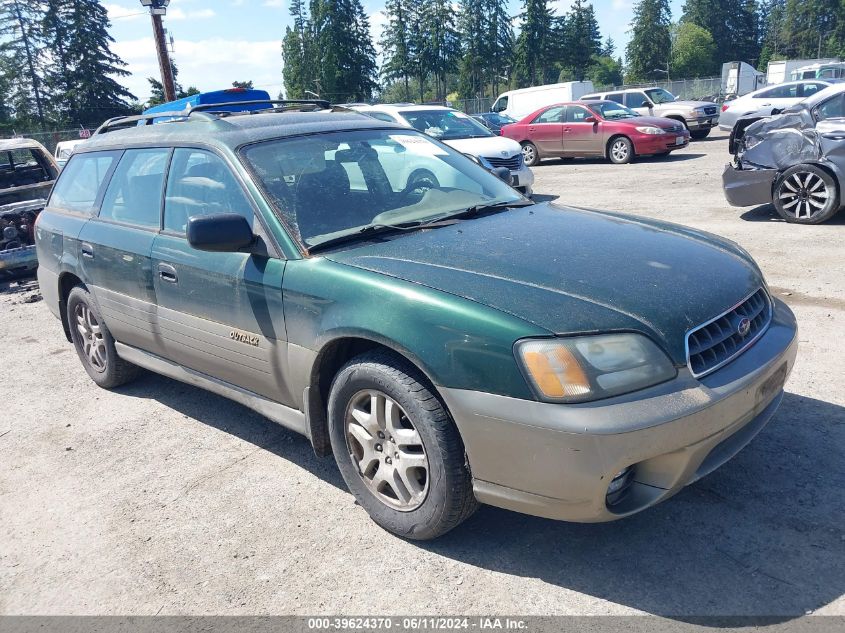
x=739, y=78
x=779, y=71
x=519, y=103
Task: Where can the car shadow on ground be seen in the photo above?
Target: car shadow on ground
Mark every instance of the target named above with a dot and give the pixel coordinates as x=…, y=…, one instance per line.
x=761, y=536
x=235, y=419
x=671, y=158
x=767, y=213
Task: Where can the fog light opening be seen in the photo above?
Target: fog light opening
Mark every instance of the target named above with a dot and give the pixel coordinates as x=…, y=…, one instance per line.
x=619, y=485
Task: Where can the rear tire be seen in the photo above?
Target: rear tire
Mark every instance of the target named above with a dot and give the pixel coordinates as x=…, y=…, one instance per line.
x=620, y=150
x=530, y=154
x=806, y=194
x=397, y=448
x=94, y=343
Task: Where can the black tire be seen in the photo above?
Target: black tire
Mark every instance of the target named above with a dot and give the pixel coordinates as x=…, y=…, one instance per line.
x=798, y=192
x=620, y=150
x=698, y=135
x=530, y=154
x=448, y=499
x=114, y=370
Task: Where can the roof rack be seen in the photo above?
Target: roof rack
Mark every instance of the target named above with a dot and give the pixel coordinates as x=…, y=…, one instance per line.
x=208, y=112
x=275, y=104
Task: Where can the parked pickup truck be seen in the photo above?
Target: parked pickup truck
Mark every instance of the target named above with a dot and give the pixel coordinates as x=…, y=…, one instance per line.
x=27, y=173
x=699, y=117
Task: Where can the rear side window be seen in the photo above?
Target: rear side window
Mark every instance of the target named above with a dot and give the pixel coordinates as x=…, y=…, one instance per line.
x=200, y=183
x=811, y=89
x=615, y=96
x=780, y=92
x=134, y=192
x=552, y=115
x=81, y=181
x=833, y=108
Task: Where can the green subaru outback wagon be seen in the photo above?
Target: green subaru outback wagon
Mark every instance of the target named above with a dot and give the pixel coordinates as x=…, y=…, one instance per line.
x=447, y=340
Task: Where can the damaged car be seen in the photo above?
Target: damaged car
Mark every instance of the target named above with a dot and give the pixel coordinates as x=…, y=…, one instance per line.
x=795, y=159
x=27, y=173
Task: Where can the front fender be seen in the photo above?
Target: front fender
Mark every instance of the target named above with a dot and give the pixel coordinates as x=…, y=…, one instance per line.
x=456, y=342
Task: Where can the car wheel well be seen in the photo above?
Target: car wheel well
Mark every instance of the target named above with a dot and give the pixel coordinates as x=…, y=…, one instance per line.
x=67, y=282
x=613, y=138
x=328, y=363
x=679, y=119
x=825, y=168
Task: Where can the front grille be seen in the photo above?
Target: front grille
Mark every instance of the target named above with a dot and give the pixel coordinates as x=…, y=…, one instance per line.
x=513, y=163
x=720, y=340
x=677, y=127
x=710, y=110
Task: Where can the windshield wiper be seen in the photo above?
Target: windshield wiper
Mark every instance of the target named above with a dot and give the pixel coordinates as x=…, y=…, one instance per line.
x=383, y=228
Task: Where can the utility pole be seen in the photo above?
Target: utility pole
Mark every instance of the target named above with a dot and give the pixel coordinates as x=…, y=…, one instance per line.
x=158, y=8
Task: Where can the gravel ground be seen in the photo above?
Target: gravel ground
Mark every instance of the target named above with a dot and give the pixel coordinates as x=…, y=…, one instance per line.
x=161, y=498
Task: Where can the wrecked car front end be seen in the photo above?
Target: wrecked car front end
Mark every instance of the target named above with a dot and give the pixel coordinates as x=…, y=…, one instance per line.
x=765, y=149
x=17, y=237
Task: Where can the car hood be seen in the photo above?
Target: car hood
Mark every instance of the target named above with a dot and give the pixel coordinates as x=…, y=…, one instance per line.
x=574, y=270
x=688, y=104
x=657, y=121
x=493, y=146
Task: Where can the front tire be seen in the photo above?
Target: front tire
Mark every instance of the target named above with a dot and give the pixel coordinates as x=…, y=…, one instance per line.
x=620, y=150
x=94, y=343
x=397, y=448
x=698, y=135
x=806, y=194
x=530, y=155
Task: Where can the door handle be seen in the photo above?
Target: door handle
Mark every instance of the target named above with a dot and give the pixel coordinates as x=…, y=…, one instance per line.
x=87, y=250
x=567, y=129
x=167, y=273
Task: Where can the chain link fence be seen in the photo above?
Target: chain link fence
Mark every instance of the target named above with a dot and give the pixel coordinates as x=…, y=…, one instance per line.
x=49, y=139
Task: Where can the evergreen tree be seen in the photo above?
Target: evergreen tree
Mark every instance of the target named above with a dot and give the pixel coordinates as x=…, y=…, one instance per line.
x=442, y=41
x=396, y=43
x=500, y=40
x=605, y=72
x=299, y=70
x=471, y=24
x=157, y=89
x=609, y=48
x=20, y=29
x=650, y=45
x=84, y=80
x=582, y=38
x=535, y=45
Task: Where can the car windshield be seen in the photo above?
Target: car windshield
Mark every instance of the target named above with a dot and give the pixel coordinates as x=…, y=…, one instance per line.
x=330, y=186
x=445, y=125
x=499, y=119
x=659, y=95
x=611, y=111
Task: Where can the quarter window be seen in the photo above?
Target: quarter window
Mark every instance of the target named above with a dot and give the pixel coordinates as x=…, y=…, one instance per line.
x=134, y=193
x=833, y=108
x=81, y=182
x=200, y=183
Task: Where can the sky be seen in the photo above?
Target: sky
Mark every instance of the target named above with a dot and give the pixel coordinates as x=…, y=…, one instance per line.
x=217, y=42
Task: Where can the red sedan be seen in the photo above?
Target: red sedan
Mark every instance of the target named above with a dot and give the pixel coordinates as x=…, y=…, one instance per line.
x=596, y=128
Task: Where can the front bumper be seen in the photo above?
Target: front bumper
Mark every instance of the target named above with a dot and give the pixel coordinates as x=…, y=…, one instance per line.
x=18, y=259
x=557, y=461
x=703, y=122
x=748, y=187
x=522, y=180
x=645, y=144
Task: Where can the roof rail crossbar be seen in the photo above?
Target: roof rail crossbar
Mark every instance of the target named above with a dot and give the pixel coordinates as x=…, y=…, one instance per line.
x=123, y=121
x=271, y=103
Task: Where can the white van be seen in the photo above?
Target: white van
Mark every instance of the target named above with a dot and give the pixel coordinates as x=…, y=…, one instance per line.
x=519, y=103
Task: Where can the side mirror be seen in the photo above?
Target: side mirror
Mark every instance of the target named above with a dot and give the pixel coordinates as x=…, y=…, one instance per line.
x=220, y=232
x=502, y=173
x=591, y=119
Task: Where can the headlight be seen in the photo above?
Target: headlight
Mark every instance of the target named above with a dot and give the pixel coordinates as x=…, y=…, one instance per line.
x=699, y=111
x=648, y=129
x=585, y=368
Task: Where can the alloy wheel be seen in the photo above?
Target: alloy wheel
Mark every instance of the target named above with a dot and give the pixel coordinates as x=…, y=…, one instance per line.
x=803, y=194
x=91, y=337
x=387, y=450
x=529, y=154
x=619, y=150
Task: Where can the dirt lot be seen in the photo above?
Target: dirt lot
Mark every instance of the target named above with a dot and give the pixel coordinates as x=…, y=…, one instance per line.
x=161, y=498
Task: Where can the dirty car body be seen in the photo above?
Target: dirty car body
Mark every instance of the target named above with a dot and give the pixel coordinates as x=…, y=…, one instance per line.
x=27, y=172
x=448, y=344
x=795, y=159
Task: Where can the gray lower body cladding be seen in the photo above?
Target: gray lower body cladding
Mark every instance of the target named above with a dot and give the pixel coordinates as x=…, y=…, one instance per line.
x=748, y=187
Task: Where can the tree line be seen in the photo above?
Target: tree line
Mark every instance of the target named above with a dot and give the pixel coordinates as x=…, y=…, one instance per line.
x=430, y=51
x=57, y=67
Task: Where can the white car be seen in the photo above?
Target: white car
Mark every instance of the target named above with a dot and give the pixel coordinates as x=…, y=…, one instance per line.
x=463, y=133
x=762, y=102
x=64, y=149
